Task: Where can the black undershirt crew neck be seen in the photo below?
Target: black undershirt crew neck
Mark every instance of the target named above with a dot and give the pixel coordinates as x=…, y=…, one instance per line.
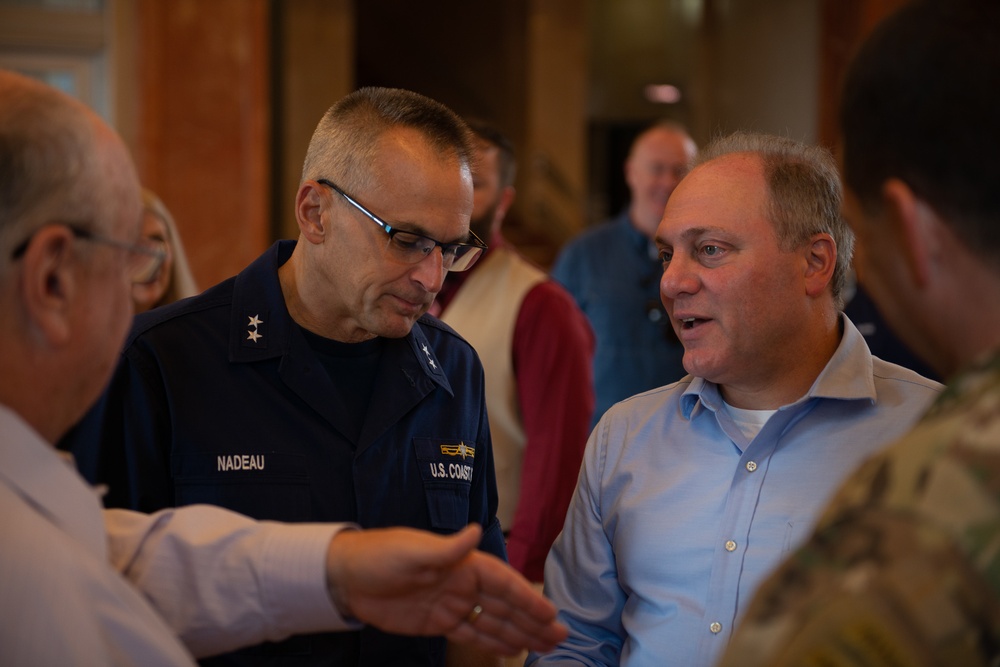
x=352, y=368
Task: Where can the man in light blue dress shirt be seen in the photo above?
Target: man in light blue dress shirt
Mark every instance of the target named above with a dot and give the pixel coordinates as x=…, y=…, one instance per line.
x=689, y=494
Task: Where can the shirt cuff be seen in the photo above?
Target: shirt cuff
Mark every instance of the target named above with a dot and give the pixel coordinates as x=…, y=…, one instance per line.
x=294, y=580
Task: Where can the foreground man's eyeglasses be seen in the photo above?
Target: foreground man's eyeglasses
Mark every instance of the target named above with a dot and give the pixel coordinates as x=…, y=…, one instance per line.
x=411, y=247
x=145, y=260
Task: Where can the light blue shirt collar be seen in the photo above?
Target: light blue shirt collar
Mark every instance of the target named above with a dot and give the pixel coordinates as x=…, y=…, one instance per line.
x=838, y=380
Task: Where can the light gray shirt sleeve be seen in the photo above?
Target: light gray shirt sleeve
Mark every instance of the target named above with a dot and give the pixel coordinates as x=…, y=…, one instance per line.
x=221, y=580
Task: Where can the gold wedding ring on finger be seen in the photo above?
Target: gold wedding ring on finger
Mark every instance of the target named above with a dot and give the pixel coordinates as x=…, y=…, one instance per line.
x=474, y=614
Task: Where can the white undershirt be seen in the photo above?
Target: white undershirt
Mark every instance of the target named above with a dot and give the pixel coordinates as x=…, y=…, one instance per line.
x=749, y=421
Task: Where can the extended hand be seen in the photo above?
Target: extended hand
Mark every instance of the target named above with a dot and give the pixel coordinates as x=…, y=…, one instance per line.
x=413, y=582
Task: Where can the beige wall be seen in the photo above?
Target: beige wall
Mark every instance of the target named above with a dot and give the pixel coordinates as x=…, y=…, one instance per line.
x=554, y=158
x=203, y=122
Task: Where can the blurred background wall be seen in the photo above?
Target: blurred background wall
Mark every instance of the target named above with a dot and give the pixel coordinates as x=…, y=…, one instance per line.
x=217, y=98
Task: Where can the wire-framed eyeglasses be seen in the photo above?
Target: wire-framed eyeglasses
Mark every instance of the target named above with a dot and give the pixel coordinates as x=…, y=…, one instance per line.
x=145, y=258
x=411, y=247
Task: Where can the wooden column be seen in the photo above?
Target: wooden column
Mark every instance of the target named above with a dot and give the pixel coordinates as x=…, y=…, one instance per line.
x=316, y=56
x=555, y=156
x=199, y=122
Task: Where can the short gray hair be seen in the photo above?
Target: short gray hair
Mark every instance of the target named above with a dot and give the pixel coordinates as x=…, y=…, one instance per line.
x=804, y=194
x=343, y=145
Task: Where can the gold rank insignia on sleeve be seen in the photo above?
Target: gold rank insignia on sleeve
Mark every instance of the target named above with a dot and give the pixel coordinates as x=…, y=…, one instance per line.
x=461, y=449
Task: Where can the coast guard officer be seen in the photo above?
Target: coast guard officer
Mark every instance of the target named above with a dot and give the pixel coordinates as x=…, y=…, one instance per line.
x=311, y=386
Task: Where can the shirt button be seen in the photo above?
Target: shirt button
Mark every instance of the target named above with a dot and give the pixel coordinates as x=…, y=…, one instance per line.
x=716, y=628
x=751, y=465
x=730, y=545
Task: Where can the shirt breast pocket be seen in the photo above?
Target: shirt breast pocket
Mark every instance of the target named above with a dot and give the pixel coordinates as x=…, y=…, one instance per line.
x=446, y=469
x=263, y=485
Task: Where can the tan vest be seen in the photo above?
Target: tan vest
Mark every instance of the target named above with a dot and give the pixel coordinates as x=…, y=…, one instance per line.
x=484, y=311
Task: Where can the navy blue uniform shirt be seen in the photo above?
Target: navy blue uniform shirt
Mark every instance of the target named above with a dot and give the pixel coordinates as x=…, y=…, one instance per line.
x=220, y=399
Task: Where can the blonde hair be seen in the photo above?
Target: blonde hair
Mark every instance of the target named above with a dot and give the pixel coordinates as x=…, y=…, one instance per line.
x=182, y=282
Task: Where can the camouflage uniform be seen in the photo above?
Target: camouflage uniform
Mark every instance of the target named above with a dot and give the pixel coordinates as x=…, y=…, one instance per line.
x=904, y=567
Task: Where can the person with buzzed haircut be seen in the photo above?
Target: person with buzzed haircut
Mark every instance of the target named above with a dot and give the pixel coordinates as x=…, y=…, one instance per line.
x=311, y=386
x=613, y=272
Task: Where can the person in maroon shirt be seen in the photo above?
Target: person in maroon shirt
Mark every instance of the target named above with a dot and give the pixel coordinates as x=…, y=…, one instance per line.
x=537, y=349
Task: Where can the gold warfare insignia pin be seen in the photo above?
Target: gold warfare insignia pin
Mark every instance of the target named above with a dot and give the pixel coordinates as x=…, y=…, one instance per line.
x=461, y=449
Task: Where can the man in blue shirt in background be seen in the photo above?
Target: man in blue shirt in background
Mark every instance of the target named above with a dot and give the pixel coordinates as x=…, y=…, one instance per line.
x=613, y=273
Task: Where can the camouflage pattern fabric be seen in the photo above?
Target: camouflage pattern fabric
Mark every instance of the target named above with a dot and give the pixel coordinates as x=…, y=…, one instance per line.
x=904, y=566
